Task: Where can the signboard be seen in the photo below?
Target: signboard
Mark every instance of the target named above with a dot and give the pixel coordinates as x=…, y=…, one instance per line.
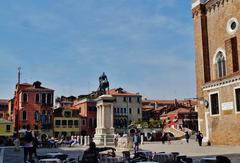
x=227, y=106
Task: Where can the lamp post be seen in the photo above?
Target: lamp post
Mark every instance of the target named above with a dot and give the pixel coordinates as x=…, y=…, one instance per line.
x=17, y=103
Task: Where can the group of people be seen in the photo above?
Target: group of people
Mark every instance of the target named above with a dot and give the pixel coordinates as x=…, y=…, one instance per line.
x=199, y=137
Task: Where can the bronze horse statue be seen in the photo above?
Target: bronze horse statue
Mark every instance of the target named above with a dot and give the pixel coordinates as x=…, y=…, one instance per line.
x=103, y=84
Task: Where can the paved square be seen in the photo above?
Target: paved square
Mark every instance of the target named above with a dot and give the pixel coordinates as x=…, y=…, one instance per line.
x=191, y=150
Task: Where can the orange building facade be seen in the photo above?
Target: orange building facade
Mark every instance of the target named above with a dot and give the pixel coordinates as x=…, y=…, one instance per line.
x=33, y=105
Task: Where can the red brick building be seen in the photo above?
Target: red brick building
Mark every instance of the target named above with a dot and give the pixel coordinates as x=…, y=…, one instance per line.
x=217, y=37
x=88, y=112
x=33, y=104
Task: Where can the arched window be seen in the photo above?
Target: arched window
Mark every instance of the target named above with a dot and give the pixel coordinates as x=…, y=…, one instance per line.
x=220, y=62
x=90, y=123
x=24, y=115
x=49, y=98
x=37, y=98
x=36, y=116
x=25, y=97
x=43, y=98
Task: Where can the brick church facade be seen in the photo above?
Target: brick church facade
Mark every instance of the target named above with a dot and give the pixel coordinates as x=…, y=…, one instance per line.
x=217, y=45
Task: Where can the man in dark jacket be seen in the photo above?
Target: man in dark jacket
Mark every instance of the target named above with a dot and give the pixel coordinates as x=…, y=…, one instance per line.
x=92, y=153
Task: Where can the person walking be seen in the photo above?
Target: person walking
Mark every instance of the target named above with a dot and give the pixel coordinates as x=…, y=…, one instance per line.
x=199, y=138
x=163, y=137
x=187, y=136
x=136, y=141
x=35, y=145
x=28, y=144
x=168, y=137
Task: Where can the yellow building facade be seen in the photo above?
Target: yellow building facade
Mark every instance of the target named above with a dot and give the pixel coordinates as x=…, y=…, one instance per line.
x=6, y=127
x=66, y=123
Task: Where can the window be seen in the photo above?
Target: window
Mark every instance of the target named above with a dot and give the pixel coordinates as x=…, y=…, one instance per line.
x=214, y=104
x=83, y=122
x=138, y=99
x=25, y=97
x=220, y=64
x=92, y=109
x=232, y=26
x=121, y=110
x=37, y=98
x=76, y=123
x=80, y=109
x=36, y=116
x=95, y=122
x=49, y=98
x=67, y=113
x=90, y=123
x=130, y=110
x=70, y=123
x=24, y=115
x=130, y=99
x=57, y=123
x=125, y=110
x=43, y=98
x=8, y=128
x=237, y=94
x=138, y=110
x=124, y=99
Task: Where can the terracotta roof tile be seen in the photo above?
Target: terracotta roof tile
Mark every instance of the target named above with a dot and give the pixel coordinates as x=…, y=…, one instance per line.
x=179, y=110
x=121, y=92
x=4, y=101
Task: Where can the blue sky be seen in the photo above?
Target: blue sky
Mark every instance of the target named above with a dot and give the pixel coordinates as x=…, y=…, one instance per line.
x=143, y=46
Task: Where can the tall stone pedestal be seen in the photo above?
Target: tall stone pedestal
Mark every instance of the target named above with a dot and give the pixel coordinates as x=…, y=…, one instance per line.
x=104, y=134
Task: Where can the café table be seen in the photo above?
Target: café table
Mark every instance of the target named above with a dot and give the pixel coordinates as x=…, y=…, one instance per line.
x=146, y=153
x=208, y=160
x=108, y=159
x=54, y=154
x=163, y=157
x=50, y=160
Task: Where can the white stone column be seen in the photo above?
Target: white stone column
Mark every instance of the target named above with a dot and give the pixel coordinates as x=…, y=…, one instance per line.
x=141, y=139
x=111, y=114
x=81, y=140
x=105, y=140
x=104, y=131
x=85, y=140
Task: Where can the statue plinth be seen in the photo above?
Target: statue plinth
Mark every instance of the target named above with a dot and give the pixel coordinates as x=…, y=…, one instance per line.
x=104, y=133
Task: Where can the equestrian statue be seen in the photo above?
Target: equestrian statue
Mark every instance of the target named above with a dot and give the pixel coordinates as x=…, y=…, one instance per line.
x=103, y=85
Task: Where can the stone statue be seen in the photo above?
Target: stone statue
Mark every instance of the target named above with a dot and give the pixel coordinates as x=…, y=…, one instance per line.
x=103, y=84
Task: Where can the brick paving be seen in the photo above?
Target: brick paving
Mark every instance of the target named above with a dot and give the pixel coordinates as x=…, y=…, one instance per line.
x=192, y=150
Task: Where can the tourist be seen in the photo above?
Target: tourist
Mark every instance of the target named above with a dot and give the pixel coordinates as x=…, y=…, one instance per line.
x=91, y=155
x=199, y=138
x=28, y=144
x=136, y=141
x=35, y=145
x=163, y=137
x=16, y=142
x=116, y=140
x=187, y=136
x=168, y=137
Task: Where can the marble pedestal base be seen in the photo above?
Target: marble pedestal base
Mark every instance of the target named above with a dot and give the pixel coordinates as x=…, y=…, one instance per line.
x=104, y=136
